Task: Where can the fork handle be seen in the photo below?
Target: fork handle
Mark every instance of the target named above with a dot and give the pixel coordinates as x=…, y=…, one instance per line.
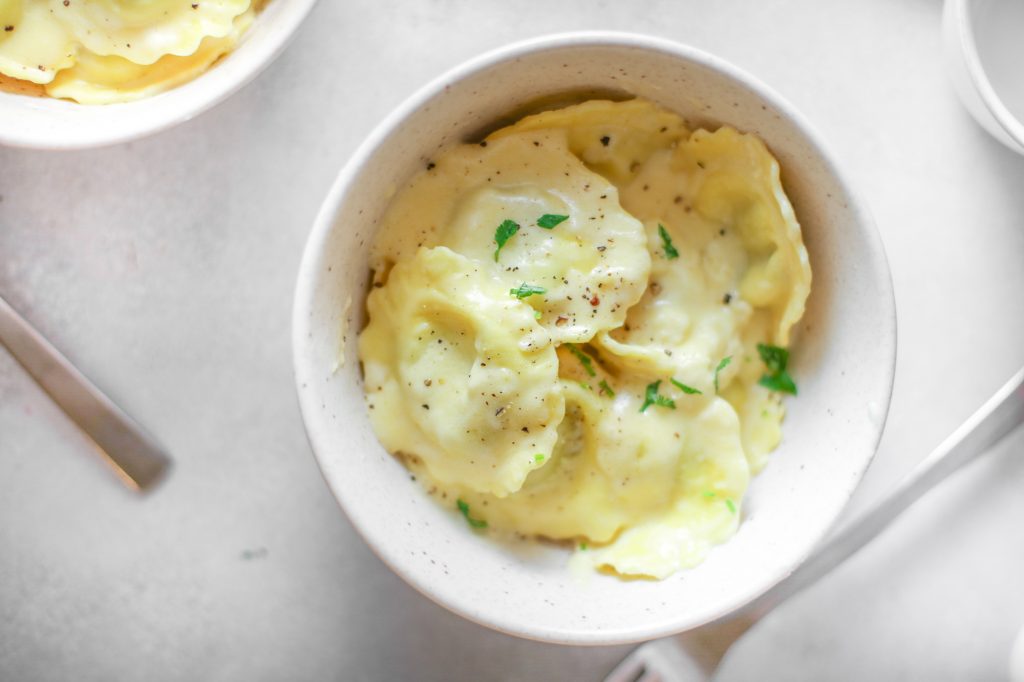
x=1000, y=415
x=706, y=646
x=139, y=460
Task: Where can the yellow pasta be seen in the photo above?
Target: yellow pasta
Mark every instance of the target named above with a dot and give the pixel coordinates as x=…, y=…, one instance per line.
x=641, y=280
x=105, y=51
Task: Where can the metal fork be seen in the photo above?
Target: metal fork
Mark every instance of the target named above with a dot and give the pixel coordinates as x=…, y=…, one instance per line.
x=695, y=655
x=136, y=457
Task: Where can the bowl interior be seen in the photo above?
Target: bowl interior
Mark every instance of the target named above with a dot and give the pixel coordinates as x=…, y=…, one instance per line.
x=46, y=123
x=844, y=356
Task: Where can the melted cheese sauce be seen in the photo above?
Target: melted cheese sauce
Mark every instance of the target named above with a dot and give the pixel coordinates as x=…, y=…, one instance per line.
x=105, y=51
x=678, y=249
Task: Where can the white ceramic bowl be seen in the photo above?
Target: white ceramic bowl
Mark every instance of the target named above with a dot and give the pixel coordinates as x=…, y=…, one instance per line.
x=46, y=123
x=844, y=361
x=984, y=50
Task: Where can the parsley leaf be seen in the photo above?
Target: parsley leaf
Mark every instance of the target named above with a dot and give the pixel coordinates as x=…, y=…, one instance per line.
x=464, y=508
x=605, y=388
x=503, y=234
x=525, y=290
x=731, y=505
x=782, y=382
x=538, y=458
x=651, y=397
x=549, y=220
x=721, y=365
x=584, y=359
x=666, y=242
x=777, y=378
x=689, y=390
x=774, y=358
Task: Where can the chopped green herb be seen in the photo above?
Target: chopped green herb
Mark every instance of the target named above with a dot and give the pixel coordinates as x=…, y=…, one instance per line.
x=731, y=506
x=777, y=379
x=583, y=546
x=549, y=220
x=464, y=508
x=536, y=314
x=721, y=365
x=774, y=358
x=503, y=234
x=666, y=242
x=584, y=359
x=586, y=386
x=689, y=390
x=538, y=458
x=525, y=290
x=651, y=397
x=605, y=388
x=709, y=493
x=782, y=383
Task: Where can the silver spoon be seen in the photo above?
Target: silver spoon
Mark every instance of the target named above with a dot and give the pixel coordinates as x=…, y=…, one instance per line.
x=695, y=655
x=136, y=457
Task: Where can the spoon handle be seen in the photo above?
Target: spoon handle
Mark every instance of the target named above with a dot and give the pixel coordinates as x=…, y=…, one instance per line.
x=136, y=457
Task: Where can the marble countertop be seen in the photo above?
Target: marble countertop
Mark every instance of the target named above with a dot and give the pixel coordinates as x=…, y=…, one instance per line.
x=164, y=268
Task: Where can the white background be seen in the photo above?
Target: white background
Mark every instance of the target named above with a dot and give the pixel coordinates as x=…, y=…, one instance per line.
x=164, y=269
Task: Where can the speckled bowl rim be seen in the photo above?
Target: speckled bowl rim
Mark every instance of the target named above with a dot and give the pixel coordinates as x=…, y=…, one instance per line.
x=311, y=263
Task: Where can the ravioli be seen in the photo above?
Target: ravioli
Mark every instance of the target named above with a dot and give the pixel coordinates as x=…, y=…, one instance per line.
x=108, y=79
x=611, y=138
x=660, y=269
x=33, y=47
x=472, y=374
x=144, y=31
x=592, y=265
x=106, y=51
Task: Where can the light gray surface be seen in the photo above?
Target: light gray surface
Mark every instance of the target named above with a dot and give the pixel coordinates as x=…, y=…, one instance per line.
x=164, y=269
